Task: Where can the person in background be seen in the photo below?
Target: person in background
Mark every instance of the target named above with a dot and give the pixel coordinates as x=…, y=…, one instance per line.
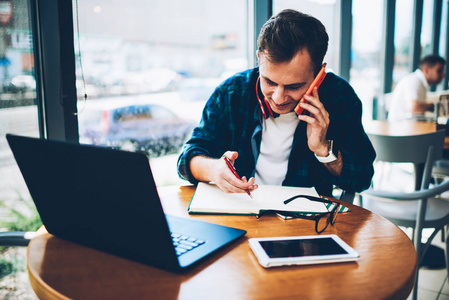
x=409, y=97
x=250, y=119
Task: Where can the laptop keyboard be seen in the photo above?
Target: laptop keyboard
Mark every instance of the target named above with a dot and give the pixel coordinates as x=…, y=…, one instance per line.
x=184, y=243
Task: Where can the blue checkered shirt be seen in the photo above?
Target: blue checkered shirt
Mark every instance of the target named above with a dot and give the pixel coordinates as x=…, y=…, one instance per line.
x=232, y=120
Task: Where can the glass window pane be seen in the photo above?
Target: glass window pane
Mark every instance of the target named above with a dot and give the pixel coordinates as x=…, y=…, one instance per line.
x=149, y=66
x=18, y=115
x=426, y=31
x=324, y=10
x=366, y=51
x=402, y=38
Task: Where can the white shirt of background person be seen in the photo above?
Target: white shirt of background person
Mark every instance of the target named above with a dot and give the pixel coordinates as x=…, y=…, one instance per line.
x=412, y=87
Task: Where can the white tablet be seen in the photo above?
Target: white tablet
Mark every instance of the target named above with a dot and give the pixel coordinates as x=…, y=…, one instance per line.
x=300, y=250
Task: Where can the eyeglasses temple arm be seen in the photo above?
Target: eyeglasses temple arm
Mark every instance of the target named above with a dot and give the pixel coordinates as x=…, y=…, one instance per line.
x=311, y=198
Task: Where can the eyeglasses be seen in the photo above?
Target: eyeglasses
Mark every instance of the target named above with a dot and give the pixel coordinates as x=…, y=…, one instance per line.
x=322, y=220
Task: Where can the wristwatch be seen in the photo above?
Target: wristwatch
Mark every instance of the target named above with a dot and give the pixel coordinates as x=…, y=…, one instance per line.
x=330, y=157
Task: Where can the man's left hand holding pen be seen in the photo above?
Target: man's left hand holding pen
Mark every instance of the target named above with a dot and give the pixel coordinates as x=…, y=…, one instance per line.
x=218, y=171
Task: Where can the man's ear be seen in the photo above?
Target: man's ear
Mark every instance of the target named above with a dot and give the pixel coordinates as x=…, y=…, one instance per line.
x=426, y=69
x=258, y=57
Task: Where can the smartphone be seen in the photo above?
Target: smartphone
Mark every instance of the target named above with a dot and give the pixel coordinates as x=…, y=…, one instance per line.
x=315, y=83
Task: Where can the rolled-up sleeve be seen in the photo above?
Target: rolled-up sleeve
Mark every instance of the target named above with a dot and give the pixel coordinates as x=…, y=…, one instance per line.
x=208, y=138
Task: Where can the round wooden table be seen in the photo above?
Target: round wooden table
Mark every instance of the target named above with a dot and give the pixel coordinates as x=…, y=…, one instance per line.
x=402, y=128
x=386, y=269
x=399, y=128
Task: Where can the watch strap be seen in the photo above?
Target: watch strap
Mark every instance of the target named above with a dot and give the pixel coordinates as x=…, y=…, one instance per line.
x=330, y=157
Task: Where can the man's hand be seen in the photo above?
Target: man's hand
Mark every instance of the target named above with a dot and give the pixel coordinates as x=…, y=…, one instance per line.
x=216, y=170
x=317, y=124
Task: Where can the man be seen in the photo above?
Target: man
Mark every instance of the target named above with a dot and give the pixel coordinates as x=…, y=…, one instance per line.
x=285, y=149
x=409, y=97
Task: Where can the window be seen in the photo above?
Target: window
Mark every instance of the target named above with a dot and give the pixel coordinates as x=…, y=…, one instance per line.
x=426, y=32
x=161, y=56
x=402, y=38
x=324, y=10
x=18, y=112
x=18, y=115
x=366, y=51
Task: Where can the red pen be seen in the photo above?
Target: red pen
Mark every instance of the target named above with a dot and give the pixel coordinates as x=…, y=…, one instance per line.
x=231, y=166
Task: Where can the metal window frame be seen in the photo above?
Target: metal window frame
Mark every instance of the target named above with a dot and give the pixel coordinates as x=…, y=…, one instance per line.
x=345, y=39
x=52, y=29
x=436, y=25
x=415, y=46
x=261, y=12
x=388, y=46
x=446, y=54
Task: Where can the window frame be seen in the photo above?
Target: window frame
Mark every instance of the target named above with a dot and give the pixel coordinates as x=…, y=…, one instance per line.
x=53, y=30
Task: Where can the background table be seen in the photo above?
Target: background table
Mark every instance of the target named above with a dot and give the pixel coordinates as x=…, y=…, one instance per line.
x=385, y=270
x=402, y=128
x=405, y=128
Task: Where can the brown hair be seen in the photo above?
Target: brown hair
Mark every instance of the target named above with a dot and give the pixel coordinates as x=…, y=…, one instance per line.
x=431, y=60
x=290, y=31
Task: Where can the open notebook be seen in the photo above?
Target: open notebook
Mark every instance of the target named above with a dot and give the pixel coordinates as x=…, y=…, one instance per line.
x=209, y=199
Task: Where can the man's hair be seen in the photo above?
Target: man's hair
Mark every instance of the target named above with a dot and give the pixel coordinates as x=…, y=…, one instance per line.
x=431, y=60
x=290, y=31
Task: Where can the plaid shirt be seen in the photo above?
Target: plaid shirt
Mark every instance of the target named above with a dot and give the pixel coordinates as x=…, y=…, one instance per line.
x=232, y=120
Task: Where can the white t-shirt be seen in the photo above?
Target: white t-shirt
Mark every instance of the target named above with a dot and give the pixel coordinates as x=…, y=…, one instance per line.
x=412, y=87
x=275, y=148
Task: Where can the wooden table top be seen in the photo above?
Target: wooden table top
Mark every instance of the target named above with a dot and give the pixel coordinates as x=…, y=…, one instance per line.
x=386, y=269
x=402, y=128
x=399, y=128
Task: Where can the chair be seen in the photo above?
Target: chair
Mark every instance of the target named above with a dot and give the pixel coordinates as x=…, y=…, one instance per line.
x=440, y=170
x=417, y=209
x=347, y=196
x=15, y=237
x=18, y=238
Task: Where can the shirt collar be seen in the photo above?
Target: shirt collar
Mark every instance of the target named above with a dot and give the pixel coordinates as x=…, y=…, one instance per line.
x=422, y=77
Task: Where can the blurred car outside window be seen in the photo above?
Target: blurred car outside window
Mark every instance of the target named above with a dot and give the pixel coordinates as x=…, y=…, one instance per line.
x=148, y=73
x=148, y=128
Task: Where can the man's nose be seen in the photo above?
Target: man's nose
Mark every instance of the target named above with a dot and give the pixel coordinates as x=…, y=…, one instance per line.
x=278, y=95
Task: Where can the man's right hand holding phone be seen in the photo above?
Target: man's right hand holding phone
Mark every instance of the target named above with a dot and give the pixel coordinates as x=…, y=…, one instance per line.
x=317, y=124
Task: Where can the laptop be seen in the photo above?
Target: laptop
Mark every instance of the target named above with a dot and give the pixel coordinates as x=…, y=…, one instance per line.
x=107, y=199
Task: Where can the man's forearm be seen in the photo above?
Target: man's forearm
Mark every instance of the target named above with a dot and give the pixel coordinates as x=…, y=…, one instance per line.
x=201, y=167
x=420, y=108
x=336, y=166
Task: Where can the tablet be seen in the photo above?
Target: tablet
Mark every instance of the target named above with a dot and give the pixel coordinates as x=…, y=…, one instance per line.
x=301, y=250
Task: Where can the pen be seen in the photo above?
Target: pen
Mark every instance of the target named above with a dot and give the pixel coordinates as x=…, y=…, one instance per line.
x=231, y=166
